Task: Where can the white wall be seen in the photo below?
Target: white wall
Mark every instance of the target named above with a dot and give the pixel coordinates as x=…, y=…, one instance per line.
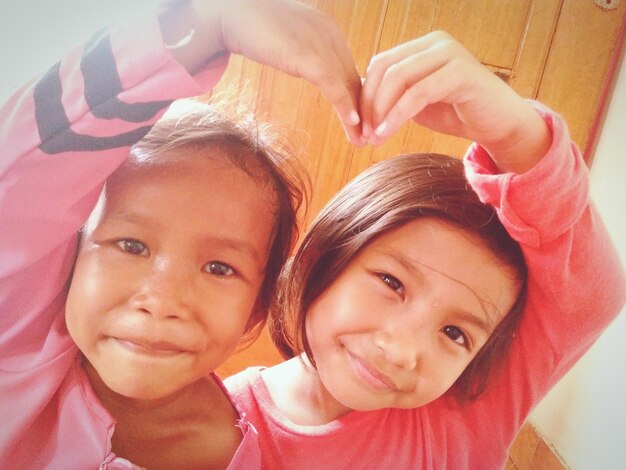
x=34, y=34
x=584, y=417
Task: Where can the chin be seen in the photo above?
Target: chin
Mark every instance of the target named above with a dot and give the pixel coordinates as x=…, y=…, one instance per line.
x=133, y=381
x=138, y=387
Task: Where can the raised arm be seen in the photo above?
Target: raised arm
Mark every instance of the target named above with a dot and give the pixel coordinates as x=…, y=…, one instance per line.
x=61, y=136
x=525, y=165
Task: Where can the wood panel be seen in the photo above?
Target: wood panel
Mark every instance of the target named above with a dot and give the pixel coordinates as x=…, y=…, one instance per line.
x=490, y=30
x=534, y=47
x=577, y=66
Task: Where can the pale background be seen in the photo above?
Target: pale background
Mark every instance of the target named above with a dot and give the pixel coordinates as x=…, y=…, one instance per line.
x=584, y=417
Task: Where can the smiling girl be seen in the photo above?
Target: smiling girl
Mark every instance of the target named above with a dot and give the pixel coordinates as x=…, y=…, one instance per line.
x=434, y=302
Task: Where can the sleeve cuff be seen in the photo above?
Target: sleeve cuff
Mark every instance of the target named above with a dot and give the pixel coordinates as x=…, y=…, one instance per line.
x=151, y=67
x=542, y=203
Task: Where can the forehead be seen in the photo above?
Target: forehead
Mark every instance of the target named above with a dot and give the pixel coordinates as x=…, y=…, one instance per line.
x=189, y=168
x=200, y=154
x=190, y=193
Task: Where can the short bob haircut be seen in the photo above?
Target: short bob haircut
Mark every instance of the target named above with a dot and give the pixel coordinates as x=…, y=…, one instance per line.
x=384, y=197
x=258, y=149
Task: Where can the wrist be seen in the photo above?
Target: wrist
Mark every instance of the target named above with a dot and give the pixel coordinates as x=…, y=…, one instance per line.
x=524, y=146
x=191, y=32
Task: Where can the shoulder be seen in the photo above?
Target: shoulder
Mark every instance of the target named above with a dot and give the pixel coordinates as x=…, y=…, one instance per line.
x=244, y=380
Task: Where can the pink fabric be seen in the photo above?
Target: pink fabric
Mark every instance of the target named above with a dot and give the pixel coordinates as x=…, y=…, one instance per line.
x=576, y=287
x=50, y=416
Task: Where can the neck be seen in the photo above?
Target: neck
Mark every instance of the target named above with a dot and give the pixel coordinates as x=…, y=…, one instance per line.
x=118, y=404
x=199, y=402
x=297, y=391
x=195, y=427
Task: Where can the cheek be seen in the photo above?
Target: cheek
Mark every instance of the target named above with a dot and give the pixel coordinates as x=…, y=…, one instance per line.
x=438, y=374
x=226, y=312
x=90, y=294
x=455, y=371
x=323, y=330
x=450, y=375
x=316, y=323
x=78, y=307
x=88, y=277
x=77, y=324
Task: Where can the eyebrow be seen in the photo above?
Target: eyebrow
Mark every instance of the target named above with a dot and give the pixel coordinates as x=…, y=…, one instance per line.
x=415, y=267
x=476, y=320
x=236, y=244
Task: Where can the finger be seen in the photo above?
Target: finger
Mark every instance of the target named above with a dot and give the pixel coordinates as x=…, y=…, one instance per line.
x=348, y=112
x=379, y=65
x=347, y=109
x=343, y=94
x=438, y=87
x=403, y=75
x=346, y=59
x=375, y=72
x=370, y=85
x=340, y=83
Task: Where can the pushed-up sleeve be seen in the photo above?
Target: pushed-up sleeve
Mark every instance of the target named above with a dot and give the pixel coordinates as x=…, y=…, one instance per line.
x=576, y=284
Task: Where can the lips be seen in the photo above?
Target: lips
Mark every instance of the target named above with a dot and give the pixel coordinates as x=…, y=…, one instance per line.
x=154, y=348
x=141, y=334
x=371, y=375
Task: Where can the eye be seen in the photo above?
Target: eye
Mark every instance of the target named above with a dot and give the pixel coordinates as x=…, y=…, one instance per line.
x=456, y=335
x=392, y=282
x=218, y=268
x=134, y=247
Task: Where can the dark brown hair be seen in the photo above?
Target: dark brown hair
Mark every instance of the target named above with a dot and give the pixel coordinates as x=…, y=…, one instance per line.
x=256, y=148
x=384, y=197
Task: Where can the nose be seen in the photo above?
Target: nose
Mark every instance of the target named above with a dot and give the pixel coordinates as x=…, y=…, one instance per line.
x=164, y=291
x=400, y=347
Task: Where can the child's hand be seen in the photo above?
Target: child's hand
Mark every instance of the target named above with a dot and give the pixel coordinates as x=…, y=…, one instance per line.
x=298, y=40
x=436, y=82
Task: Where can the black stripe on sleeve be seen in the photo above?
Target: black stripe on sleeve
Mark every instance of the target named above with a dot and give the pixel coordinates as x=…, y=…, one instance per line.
x=103, y=84
x=54, y=127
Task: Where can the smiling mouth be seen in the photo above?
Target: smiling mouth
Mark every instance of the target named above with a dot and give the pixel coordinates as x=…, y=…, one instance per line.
x=371, y=376
x=160, y=348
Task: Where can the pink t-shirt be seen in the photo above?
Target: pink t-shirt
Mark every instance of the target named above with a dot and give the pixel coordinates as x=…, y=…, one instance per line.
x=576, y=287
x=60, y=137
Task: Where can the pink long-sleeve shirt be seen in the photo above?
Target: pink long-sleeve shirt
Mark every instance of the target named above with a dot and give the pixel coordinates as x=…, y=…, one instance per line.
x=60, y=137
x=575, y=288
